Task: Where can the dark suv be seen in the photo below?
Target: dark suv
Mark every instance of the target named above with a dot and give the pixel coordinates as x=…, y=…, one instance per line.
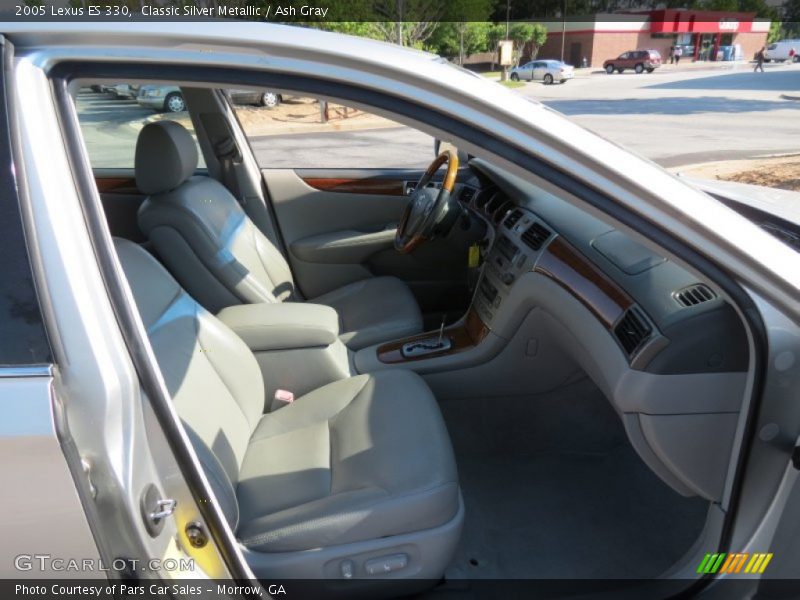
x=638, y=60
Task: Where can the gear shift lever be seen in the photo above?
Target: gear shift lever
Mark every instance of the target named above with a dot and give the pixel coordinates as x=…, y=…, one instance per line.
x=428, y=345
x=441, y=329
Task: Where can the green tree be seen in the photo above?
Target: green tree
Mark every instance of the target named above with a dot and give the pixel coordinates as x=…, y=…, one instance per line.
x=791, y=17
x=358, y=28
x=460, y=40
x=523, y=33
x=495, y=33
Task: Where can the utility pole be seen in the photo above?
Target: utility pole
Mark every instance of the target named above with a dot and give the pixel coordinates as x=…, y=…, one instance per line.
x=563, y=27
x=504, y=72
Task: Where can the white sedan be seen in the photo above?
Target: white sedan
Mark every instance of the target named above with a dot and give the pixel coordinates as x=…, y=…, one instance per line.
x=544, y=70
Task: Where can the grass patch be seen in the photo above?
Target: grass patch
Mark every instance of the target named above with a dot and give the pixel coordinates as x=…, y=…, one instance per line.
x=491, y=74
x=512, y=84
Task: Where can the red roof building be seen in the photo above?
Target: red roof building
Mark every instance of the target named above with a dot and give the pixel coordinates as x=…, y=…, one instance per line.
x=702, y=35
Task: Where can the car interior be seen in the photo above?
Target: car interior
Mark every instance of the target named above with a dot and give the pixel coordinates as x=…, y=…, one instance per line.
x=446, y=373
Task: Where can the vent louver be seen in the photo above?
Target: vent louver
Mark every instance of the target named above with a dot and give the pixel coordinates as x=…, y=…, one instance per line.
x=467, y=194
x=632, y=330
x=482, y=197
x=694, y=295
x=535, y=236
x=513, y=218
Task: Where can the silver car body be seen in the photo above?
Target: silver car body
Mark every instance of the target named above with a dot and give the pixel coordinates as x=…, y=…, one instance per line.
x=538, y=70
x=92, y=396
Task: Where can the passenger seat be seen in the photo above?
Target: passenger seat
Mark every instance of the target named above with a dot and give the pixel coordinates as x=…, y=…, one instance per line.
x=208, y=242
x=356, y=479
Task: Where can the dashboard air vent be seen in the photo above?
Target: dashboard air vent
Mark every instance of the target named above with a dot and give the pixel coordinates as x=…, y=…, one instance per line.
x=513, y=218
x=467, y=194
x=632, y=330
x=482, y=197
x=500, y=213
x=694, y=295
x=535, y=236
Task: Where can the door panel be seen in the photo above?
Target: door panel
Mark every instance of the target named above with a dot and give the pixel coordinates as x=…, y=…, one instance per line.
x=338, y=226
x=121, y=201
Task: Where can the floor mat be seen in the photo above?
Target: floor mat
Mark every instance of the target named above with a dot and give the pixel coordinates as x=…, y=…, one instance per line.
x=553, y=490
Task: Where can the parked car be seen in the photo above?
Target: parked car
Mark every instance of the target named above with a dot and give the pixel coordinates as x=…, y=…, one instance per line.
x=255, y=97
x=169, y=98
x=125, y=91
x=548, y=71
x=638, y=60
x=225, y=372
x=779, y=51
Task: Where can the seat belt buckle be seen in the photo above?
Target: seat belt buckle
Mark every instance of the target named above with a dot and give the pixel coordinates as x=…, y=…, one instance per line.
x=280, y=399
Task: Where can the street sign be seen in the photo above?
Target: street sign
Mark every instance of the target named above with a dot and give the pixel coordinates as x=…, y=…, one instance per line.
x=505, y=51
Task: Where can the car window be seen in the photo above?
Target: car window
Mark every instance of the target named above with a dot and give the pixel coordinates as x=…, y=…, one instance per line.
x=22, y=335
x=304, y=133
x=111, y=117
x=624, y=55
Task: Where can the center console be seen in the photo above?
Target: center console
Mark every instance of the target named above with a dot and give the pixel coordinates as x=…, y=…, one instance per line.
x=517, y=244
x=519, y=240
x=296, y=344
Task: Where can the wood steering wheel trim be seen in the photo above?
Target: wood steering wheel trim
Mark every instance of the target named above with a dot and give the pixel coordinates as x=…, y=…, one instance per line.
x=449, y=182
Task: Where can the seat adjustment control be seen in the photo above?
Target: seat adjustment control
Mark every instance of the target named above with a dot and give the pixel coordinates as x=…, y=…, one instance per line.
x=386, y=564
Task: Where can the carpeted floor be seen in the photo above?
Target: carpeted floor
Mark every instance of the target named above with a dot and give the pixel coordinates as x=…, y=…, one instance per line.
x=553, y=489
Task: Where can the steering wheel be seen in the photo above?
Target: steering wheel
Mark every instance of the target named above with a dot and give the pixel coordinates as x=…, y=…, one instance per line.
x=428, y=208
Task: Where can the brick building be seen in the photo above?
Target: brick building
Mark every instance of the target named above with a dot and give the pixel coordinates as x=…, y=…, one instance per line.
x=703, y=35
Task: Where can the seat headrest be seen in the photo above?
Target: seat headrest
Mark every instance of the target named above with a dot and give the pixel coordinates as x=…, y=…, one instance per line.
x=166, y=156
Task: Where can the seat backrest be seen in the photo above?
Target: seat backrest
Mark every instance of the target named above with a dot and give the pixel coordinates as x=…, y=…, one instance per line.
x=212, y=375
x=199, y=230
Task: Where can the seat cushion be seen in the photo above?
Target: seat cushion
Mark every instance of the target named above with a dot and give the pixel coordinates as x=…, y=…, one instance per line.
x=358, y=459
x=373, y=311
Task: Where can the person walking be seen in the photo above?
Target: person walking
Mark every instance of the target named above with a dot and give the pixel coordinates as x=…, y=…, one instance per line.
x=678, y=52
x=792, y=55
x=760, y=59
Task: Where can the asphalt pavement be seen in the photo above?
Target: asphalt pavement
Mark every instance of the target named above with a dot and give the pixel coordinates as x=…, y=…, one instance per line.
x=682, y=117
x=673, y=116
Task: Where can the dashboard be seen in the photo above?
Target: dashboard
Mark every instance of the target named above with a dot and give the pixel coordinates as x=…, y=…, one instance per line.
x=661, y=317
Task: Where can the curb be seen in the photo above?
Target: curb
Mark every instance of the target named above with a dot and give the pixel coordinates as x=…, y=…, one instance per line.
x=678, y=170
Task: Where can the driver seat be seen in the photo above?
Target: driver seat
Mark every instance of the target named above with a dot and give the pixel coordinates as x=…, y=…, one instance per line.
x=204, y=237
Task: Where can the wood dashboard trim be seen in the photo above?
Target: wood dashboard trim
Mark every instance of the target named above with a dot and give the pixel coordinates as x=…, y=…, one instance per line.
x=116, y=185
x=568, y=267
x=342, y=185
x=463, y=337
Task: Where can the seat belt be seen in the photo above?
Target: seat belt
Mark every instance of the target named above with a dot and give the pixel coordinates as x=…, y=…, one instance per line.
x=228, y=155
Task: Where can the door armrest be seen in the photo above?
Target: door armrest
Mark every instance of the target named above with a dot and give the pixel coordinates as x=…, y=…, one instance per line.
x=343, y=247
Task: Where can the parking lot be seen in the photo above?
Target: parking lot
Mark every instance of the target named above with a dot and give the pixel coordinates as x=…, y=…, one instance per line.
x=675, y=117
x=679, y=117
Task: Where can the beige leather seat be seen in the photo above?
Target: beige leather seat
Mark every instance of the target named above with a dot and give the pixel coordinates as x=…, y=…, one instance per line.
x=221, y=258
x=356, y=471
